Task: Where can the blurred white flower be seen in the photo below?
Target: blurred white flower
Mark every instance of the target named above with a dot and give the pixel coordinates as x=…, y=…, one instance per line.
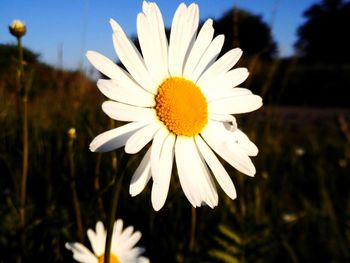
x=342, y=163
x=299, y=151
x=289, y=217
x=123, y=248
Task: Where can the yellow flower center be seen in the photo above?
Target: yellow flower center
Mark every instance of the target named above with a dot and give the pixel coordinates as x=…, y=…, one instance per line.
x=181, y=106
x=113, y=259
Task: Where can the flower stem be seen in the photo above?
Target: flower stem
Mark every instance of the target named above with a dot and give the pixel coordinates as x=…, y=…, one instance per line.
x=114, y=203
x=75, y=199
x=20, y=61
x=193, y=229
x=22, y=213
x=97, y=186
x=22, y=199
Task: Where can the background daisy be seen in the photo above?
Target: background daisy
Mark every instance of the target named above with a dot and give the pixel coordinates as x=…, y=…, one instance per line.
x=123, y=248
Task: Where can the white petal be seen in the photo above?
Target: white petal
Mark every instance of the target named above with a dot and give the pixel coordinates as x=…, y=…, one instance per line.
x=117, y=240
x=143, y=260
x=217, y=168
x=194, y=175
x=207, y=186
x=145, y=6
x=115, y=138
x=100, y=231
x=221, y=66
x=236, y=76
x=186, y=170
x=208, y=58
x=244, y=143
x=192, y=23
x=160, y=186
x=100, y=238
x=160, y=32
x=183, y=30
x=216, y=137
x=202, y=42
x=111, y=70
x=219, y=85
x=104, y=65
x=140, y=138
x=95, y=244
x=153, y=42
x=131, y=58
x=235, y=105
x=142, y=175
x=175, y=40
x=132, y=254
x=157, y=146
x=126, y=234
x=81, y=253
x=146, y=40
x=126, y=92
x=230, y=92
x=118, y=228
x=130, y=242
x=224, y=118
x=124, y=112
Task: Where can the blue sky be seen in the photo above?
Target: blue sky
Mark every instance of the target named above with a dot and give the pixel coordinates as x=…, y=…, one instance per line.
x=61, y=31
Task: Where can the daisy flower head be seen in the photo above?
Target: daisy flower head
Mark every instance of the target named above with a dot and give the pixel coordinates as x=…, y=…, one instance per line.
x=177, y=95
x=122, y=248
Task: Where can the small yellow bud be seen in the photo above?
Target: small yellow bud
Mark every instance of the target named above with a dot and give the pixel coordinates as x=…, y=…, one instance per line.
x=72, y=134
x=17, y=28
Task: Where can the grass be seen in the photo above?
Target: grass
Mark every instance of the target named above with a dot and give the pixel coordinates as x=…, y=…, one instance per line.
x=296, y=208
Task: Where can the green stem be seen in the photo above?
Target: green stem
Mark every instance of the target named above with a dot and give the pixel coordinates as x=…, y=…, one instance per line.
x=20, y=55
x=22, y=199
x=192, y=241
x=193, y=229
x=75, y=199
x=97, y=186
x=115, y=196
x=24, y=164
x=24, y=175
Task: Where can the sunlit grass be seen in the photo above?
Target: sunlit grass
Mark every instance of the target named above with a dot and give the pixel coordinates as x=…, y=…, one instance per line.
x=299, y=196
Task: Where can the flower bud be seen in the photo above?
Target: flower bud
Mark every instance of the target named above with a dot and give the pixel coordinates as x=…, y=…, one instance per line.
x=72, y=134
x=17, y=28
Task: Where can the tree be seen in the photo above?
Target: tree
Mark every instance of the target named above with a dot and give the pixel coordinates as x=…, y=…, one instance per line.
x=247, y=31
x=322, y=37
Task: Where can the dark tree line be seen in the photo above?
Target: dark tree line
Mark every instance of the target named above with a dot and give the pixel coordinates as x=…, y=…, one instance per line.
x=322, y=38
x=325, y=35
x=247, y=31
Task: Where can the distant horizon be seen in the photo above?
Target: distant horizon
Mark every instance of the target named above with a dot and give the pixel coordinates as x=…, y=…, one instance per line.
x=64, y=42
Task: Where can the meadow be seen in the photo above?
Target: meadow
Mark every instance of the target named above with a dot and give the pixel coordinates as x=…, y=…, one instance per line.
x=296, y=208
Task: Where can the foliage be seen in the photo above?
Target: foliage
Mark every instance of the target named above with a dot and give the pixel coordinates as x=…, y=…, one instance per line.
x=292, y=81
x=43, y=74
x=239, y=240
x=8, y=53
x=241, y=29
x=323, y=36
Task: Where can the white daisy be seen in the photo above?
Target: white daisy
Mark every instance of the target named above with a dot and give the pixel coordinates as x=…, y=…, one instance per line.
x=122, y=247
x=181, y=98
